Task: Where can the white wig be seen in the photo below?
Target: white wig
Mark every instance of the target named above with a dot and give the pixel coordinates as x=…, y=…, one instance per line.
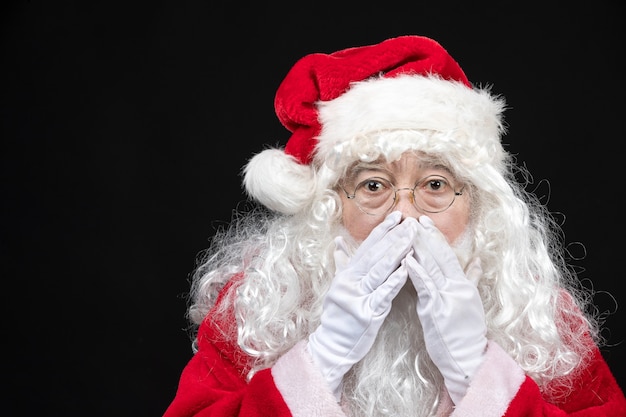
x=285, y=254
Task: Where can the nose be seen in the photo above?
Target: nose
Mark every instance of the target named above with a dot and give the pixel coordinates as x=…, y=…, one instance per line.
x=406, y=205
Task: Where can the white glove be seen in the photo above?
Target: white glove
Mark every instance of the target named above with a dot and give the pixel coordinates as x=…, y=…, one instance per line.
x=359, y=297
x=449, y=308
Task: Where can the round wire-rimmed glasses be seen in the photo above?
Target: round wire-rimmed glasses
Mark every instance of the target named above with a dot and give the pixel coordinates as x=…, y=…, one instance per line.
x=377, y=196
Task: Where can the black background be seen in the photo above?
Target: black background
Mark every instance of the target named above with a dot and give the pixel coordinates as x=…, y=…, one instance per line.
x=125, y=126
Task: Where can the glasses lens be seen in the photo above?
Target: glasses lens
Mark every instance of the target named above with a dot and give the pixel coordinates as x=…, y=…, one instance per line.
x=374, y=195
x=434, y=194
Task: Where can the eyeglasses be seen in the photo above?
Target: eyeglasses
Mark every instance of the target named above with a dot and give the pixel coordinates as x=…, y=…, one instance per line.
x=376, y=196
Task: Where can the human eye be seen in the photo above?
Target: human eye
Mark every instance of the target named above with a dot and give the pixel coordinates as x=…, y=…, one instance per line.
x=373, y=186
x=434, y=184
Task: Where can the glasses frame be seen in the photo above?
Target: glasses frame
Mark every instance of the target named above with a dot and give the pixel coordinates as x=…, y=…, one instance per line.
x=395, y=194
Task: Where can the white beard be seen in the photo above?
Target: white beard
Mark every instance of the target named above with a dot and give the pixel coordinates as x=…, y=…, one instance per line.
x=397, y=376
x=463, y=247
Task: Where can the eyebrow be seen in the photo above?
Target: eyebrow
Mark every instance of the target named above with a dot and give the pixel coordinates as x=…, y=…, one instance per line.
x=362, y=166
x=367, y=166
x=380, y=166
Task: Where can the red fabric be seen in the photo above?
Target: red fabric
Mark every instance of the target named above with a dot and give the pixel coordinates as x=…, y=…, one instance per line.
x=213, y=384
x=597, y=395
x=327, y=76
x=596, y=392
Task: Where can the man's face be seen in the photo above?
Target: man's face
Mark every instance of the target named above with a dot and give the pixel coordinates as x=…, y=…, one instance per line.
x=404, y=174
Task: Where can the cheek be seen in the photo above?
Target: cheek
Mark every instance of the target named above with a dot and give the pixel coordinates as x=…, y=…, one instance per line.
x=452, y=230
x=357, y=223
x=452, y=222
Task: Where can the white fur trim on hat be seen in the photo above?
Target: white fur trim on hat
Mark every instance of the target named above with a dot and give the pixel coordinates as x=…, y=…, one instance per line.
x=471, y=118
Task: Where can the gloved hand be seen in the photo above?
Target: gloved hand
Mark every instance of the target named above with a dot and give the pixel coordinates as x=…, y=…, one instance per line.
x=449, y=308
x=359, y=297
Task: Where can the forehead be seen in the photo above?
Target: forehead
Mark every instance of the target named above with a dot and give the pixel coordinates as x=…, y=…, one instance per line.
x=409, y=163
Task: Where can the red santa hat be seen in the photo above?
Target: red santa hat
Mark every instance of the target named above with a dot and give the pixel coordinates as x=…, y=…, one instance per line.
x=407, y=82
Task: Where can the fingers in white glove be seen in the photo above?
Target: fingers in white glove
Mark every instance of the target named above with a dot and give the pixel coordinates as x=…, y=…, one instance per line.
x=360, y=297
x=442, y=262
x=343, y=254
x=373, y=264
x=449, y=308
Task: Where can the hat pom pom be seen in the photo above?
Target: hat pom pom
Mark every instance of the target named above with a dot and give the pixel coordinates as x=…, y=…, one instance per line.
x=278, y=181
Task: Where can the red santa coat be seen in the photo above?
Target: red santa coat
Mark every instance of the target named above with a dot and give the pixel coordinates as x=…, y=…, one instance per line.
x=213, y=384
